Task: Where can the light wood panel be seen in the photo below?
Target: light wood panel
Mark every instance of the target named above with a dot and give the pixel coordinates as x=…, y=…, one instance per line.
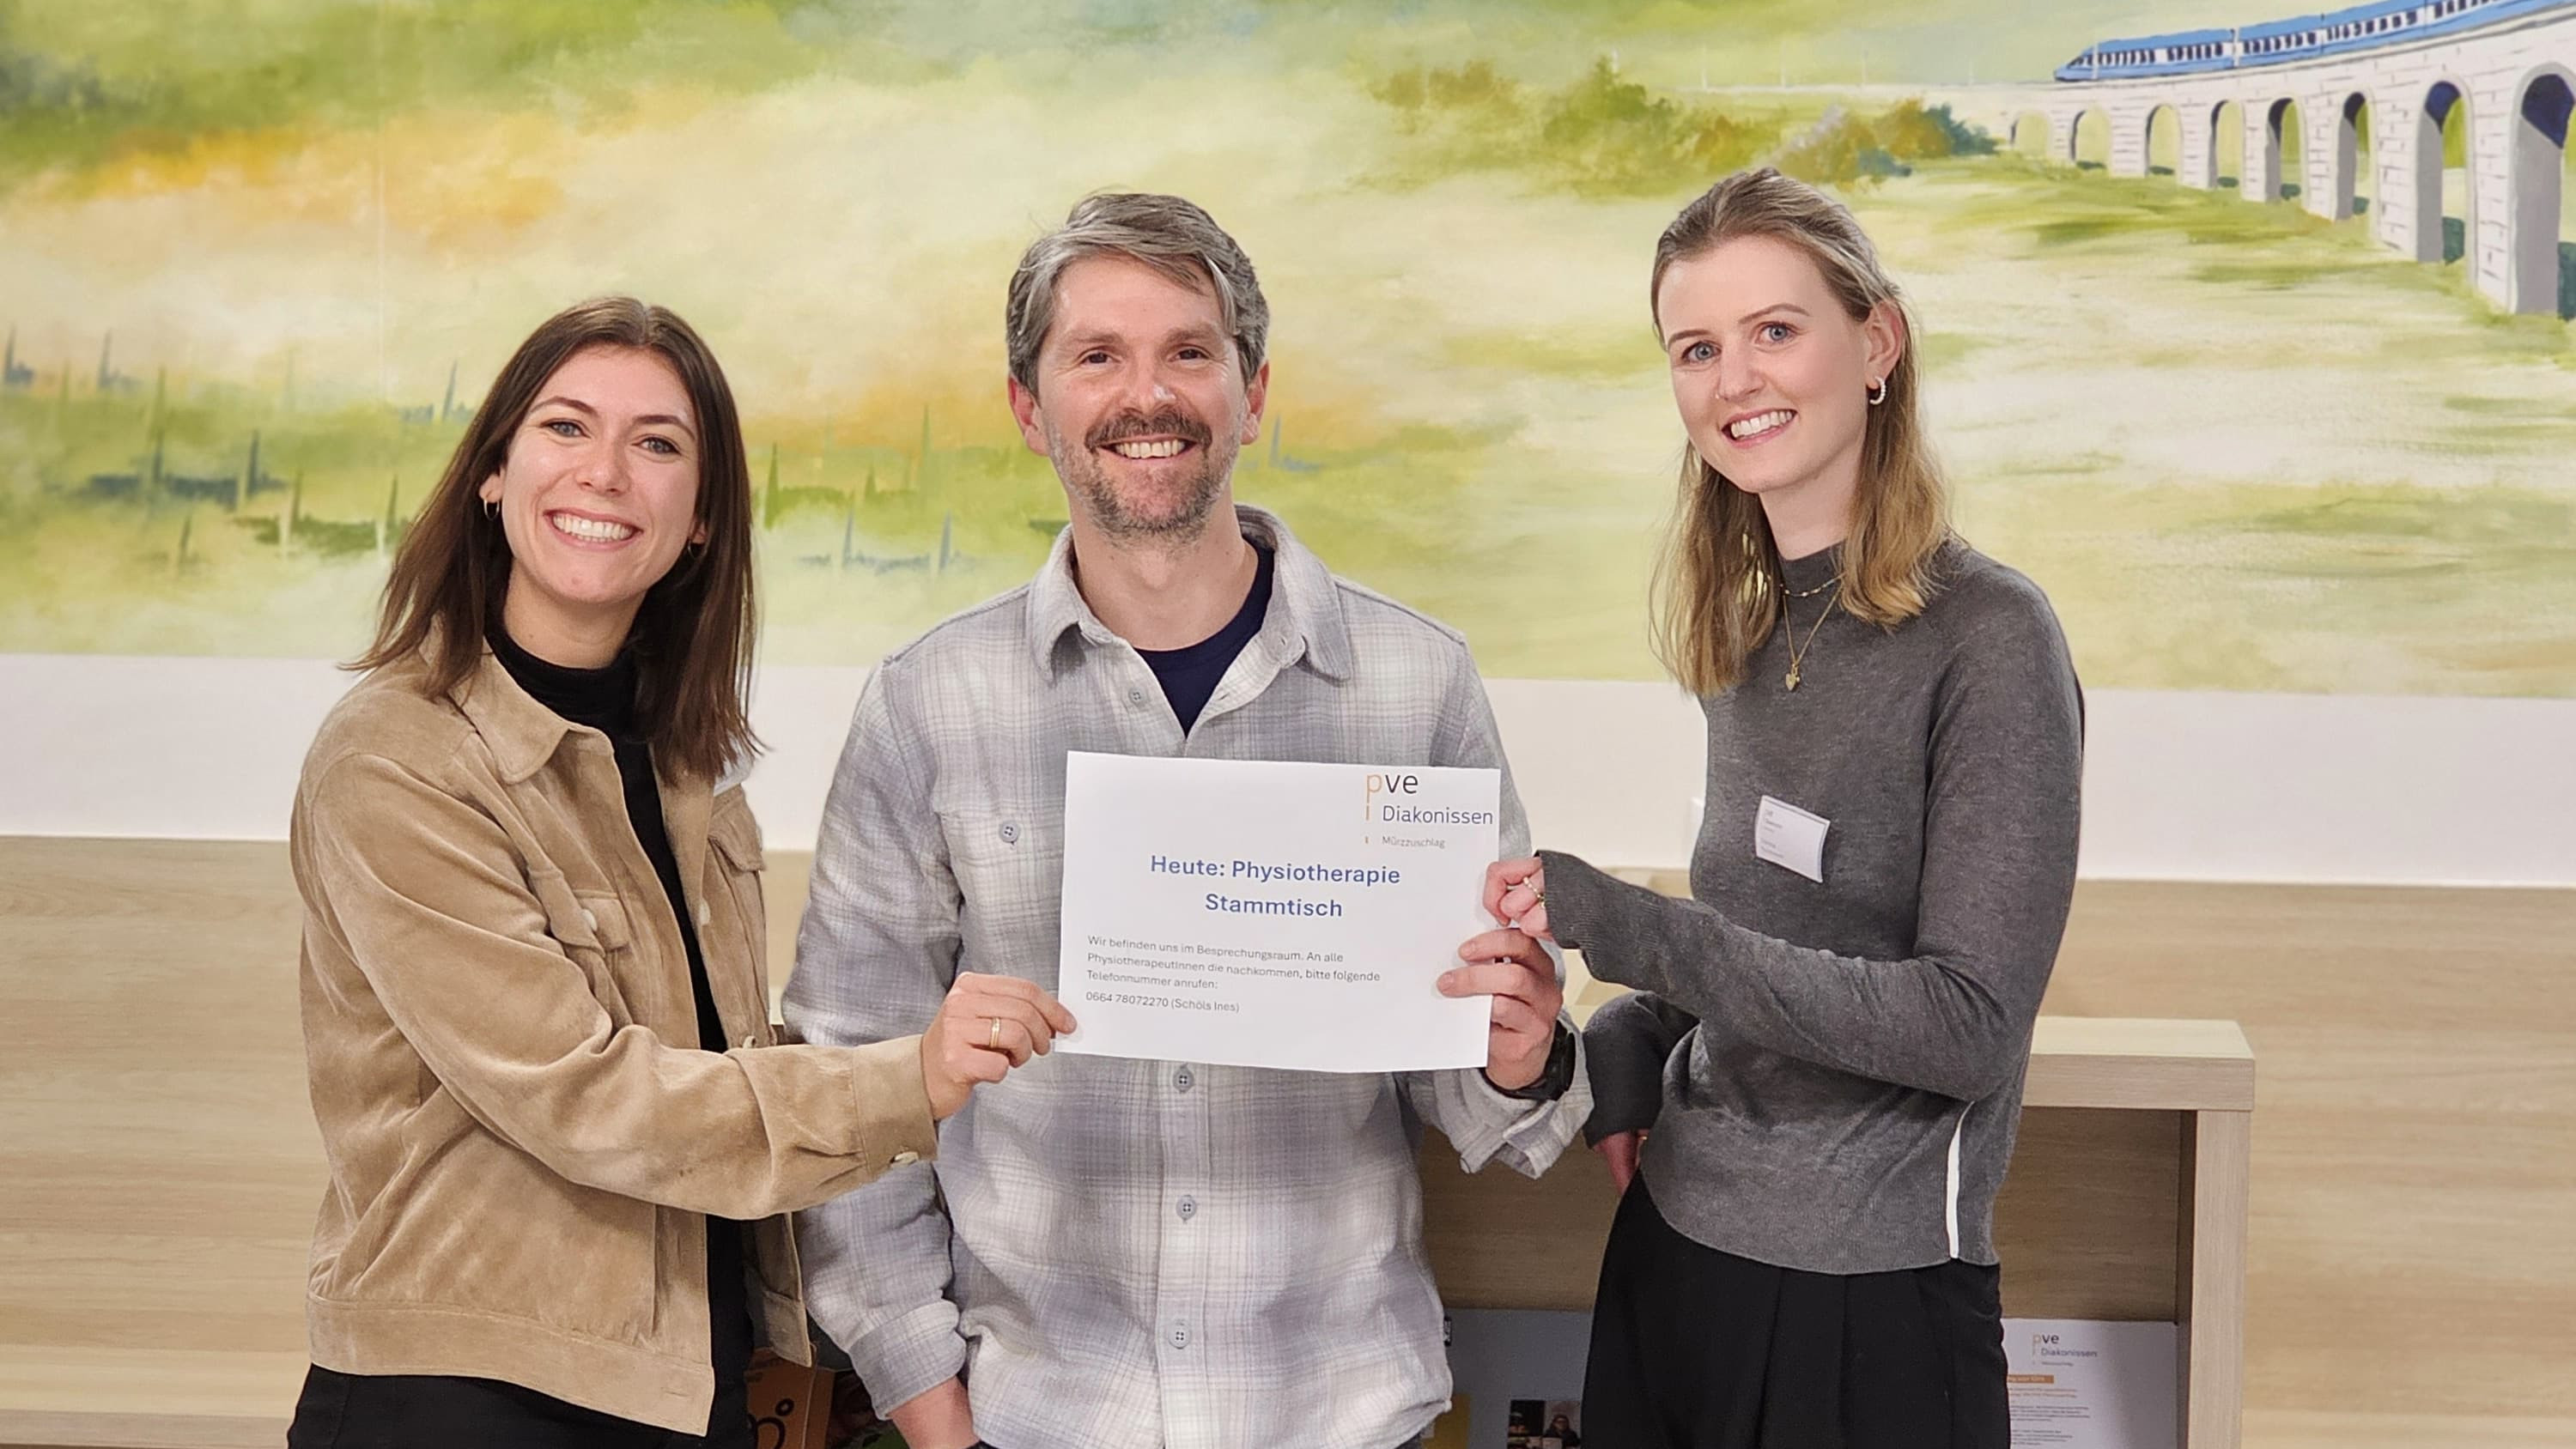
x=2413, y=1153
x=159, y=1168
x=2410, y=1280
x=147, y=1398
x=2218, y=1152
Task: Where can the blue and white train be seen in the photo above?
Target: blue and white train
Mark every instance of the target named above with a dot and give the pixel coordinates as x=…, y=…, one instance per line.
x=2299, y=38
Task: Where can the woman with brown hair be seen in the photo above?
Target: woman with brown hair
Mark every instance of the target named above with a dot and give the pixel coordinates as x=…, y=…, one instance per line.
x=1829, y=1040
x=562, y=1136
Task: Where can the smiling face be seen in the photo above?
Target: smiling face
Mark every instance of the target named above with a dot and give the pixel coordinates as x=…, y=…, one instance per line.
x=1771, y=373
x=598, y=495
x=1141, y=400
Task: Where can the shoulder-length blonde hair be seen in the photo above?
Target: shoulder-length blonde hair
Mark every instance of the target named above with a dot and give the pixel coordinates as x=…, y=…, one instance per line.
x=694, y=634
x=1717, y=584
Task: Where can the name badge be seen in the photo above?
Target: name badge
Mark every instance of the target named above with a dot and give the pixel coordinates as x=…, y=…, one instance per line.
x=1791, y=838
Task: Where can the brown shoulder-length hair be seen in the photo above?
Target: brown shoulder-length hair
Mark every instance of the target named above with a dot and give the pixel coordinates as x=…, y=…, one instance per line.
x=1717, y=584
x=694, y=634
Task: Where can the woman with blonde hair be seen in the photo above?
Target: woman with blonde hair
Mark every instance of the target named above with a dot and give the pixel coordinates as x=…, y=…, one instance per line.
x=1828, y=1041
x=562, y=1137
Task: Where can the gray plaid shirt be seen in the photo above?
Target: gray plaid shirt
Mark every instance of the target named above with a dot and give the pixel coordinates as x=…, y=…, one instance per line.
x=1128, y=1253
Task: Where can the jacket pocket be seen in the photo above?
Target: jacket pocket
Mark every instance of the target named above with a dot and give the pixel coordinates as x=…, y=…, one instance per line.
x=737, y=863
x=593, y=929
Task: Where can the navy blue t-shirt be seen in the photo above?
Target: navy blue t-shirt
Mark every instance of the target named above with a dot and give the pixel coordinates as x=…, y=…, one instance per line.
x=1190, y=673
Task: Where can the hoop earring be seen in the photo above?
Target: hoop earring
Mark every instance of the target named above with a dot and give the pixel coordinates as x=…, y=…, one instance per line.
x=492, y=510
x=1878, y=392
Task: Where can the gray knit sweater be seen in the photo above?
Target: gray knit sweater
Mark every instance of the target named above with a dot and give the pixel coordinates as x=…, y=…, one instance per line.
x=1833, y=1070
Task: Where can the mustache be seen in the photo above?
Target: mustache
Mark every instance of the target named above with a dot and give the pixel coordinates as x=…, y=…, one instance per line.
x=1166, y=422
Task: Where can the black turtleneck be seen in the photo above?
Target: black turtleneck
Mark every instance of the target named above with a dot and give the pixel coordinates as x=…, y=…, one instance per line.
x=604, y=699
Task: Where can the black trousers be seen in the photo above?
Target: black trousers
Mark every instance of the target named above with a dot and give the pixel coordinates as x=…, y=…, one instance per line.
x=427, y=1411
x=1697, y=1349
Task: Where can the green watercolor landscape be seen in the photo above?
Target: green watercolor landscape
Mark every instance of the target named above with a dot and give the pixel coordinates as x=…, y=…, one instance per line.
x=257, y=265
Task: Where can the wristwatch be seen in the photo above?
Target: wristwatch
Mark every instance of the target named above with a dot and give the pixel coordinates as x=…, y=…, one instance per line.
x=1559, y=1076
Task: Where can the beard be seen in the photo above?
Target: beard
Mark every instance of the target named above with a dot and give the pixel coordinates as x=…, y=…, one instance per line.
x=1173, y=504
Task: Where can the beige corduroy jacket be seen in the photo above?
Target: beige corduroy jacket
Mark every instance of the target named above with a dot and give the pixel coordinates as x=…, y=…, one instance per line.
x=501, y=1036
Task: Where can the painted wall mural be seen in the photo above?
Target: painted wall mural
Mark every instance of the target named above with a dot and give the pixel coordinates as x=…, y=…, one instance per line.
x=2247, y=333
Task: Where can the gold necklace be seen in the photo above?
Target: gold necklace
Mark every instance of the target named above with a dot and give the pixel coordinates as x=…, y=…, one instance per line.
x=1808, y=593
x=1798, y=652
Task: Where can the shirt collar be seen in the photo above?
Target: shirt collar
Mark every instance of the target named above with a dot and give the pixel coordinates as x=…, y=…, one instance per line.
x=1305, y=617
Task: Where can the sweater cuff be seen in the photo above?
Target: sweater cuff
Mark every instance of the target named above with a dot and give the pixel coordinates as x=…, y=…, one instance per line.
x=1577, y=898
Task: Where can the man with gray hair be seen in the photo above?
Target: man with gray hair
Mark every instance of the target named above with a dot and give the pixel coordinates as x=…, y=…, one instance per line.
x=1116, y=1253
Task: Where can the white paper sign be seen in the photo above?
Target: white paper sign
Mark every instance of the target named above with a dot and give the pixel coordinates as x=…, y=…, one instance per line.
x=1274, y=915
x=2080, y=1384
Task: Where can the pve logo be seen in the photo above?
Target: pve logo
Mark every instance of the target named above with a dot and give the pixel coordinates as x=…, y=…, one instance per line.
x=1386, y=782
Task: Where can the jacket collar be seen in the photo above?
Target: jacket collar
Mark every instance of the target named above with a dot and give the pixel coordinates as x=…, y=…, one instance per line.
x=521, y=733
x=524, y=737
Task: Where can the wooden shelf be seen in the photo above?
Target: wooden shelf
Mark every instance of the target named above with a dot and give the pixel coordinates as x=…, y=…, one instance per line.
x=2140, y=1063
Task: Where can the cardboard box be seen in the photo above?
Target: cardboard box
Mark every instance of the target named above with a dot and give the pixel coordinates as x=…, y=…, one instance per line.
x=791, y=1405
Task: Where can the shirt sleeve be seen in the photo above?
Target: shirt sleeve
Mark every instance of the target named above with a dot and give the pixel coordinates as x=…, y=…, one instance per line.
x=1479, y=1121
x=429, y=897
x=875, y=956
x=2000, y=824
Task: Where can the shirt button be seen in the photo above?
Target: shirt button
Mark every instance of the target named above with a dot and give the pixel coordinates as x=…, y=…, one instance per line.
x=1189, y=1208
x=906, y=1158
x=1135, y=696
x=1183, y=1081
x=1180, y=1335
x=1010, y=833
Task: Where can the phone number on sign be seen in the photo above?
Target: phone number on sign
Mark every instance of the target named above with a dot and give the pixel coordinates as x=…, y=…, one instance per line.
x=1122, y=998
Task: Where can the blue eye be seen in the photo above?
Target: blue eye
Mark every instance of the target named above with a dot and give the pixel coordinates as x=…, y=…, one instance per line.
x=561, y=427
x=1777, y=332
x=1700, y=352
x=664, y=446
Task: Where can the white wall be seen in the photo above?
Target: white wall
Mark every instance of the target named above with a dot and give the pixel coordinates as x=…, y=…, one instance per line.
x=2299, y=788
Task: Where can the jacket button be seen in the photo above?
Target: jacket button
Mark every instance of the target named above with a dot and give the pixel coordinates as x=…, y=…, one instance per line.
x=1010, y=833
x=752, y=1040
x=906, y=1158
x=588, y=918
x=705, y=914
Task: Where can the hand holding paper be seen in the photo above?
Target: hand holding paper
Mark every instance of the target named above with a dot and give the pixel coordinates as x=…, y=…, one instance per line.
x=986, y=1025
x=1520, y=976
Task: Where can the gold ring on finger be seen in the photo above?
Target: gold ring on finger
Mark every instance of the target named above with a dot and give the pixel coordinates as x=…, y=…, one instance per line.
x=994, y=1041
